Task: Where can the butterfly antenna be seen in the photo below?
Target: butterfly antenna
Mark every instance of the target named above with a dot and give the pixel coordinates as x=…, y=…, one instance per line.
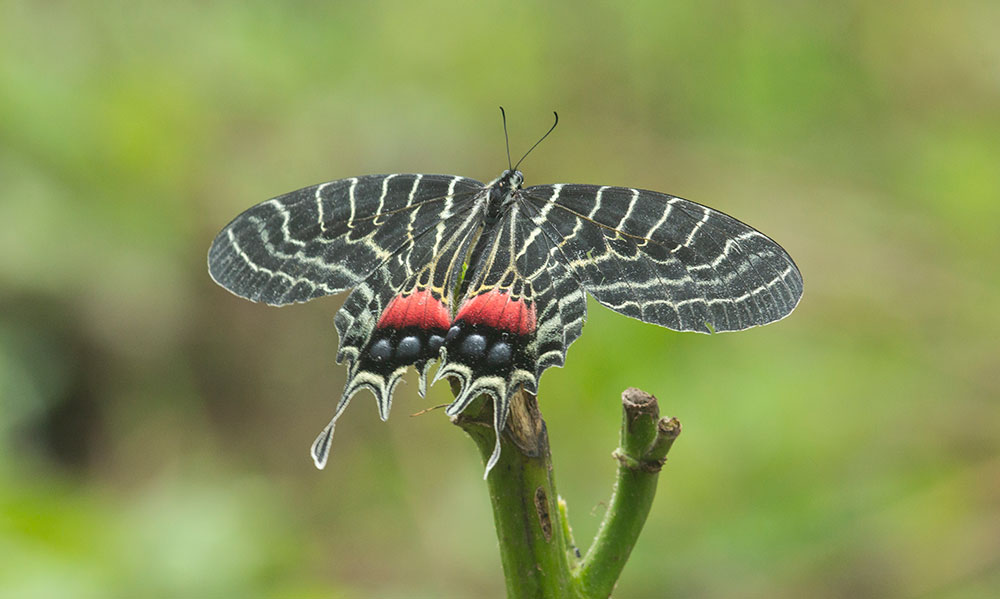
x=505, y=138
x=539, y=141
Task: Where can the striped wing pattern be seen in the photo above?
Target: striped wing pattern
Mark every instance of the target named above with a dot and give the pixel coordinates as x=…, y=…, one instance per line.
x=491, y=280
x=665, y=260
x=528, y=304
x=427, y=269
x=326, y=239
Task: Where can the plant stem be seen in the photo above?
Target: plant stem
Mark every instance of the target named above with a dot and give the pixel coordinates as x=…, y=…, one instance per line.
x=537, y=550
x=533, y=545
x=645, y=441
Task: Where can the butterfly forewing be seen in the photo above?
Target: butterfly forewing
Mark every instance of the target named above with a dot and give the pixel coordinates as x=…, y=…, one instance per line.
x=327, y=238
x=666, y=260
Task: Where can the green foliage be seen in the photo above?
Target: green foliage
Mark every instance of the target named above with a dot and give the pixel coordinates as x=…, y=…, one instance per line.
x=154, y=430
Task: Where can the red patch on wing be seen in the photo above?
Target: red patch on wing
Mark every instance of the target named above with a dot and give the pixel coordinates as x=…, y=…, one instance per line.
x=499, y=310
x=419, y=309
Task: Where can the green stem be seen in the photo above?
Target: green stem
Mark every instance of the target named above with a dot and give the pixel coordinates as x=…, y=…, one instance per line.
x=645, y=441
x=539, y=557
x=533, y=545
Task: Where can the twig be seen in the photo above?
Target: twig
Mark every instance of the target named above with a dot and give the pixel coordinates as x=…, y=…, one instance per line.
x=645, y=441
x=539, y=556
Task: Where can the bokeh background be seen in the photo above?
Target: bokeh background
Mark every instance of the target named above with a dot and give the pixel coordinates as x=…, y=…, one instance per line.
x=154, y=429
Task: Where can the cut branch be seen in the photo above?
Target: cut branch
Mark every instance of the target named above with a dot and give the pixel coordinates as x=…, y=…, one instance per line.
x=539, y=556
x=533, y=546
x=645, y=441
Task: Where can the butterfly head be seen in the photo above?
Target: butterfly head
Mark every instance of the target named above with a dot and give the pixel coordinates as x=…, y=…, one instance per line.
x=509, y=180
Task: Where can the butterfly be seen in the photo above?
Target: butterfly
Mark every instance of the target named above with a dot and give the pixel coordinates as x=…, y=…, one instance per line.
x=490, y=280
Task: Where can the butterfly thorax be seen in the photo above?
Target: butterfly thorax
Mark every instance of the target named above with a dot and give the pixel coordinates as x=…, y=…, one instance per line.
x=502, y=191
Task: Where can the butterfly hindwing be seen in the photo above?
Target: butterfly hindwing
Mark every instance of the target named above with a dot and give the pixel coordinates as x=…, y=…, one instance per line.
x=561, y=301
x=487, y=348
x=520, y=310
x=390, y=321
x=399, y=316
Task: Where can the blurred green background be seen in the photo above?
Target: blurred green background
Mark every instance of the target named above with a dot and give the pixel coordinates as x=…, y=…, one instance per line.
x=154, y=429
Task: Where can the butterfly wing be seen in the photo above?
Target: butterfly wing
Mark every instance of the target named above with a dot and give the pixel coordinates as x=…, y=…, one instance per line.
x=400, y=315
x=393, y=238
x=400, y=241
x=666, y=260
x=327, y=238
x=520, y=309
